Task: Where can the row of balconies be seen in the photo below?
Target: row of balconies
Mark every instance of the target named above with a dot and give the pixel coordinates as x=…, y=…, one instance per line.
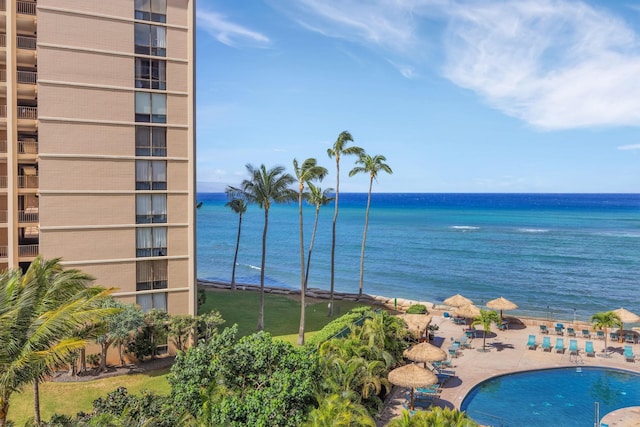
x=23, y=251
x=30, y=216
x=24, y=147
x=22, y=42
x=23, y=112
x=24, y=77
x=24, y=181
x=22, y=7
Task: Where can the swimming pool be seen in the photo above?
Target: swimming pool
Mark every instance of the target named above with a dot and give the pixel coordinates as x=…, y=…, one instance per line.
x=558, y=397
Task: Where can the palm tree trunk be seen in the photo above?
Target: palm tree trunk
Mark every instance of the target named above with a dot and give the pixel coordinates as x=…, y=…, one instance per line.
x=333, y=236
x=235, y=257
x=364, y=238
x=302, y=275
x=262, y=264
x=313, y=238
x=83, y=360
x=103, y=357
x=4, y=409
x=36, y=402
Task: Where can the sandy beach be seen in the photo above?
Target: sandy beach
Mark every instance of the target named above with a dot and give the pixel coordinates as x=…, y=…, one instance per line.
x=508, y=353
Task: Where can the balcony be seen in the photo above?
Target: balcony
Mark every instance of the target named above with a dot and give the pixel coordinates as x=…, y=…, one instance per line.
x=3, y=111
x=3, y=147
x=25, y=147
x=3, y=182
x=28, y=250
x=4, y=217
x=30, y=113
x=26, y=77
x=29, y=215
x=26, y=8
x=4, y=251
x=3, y=40
x=27, y=43
x=27, y=181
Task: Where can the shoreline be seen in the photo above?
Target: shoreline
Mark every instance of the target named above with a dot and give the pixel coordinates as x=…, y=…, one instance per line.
x=397, y=304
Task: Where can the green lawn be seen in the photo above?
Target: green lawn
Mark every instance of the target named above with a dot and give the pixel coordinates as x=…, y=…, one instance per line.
x=281, y=313
x=281, y=318
x=73, y=397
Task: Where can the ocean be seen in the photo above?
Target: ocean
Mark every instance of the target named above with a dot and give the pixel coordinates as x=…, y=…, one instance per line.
x=558, y=256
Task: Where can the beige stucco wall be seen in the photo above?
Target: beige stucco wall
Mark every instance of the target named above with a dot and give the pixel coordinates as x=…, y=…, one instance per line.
x=112, y=7
x=86, y=139
x=87, y=174
x=89, y=244
x=177, y=142
x=91, y=209
x=80, y=103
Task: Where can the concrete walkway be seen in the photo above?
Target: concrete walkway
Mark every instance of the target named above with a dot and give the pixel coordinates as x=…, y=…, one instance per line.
x=507, y=352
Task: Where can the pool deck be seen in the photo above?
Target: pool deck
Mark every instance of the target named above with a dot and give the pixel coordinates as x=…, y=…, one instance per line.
x=508, y=352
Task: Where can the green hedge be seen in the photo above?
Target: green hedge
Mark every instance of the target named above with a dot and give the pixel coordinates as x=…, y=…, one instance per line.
x=417, y=309
x=338, y=325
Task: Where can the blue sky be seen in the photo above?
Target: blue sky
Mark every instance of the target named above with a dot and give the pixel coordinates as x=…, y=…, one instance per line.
x=460, y=96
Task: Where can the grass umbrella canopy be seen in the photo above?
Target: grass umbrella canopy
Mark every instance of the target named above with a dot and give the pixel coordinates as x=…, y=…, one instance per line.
x=425, y=352
x=468, y=311
x=412, y=376
x=457, y=301
x=626, y=316
x=502, y=304
x=416, y=323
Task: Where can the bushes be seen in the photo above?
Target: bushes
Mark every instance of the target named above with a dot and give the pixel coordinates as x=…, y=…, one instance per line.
x=336, y=326
x=417, y=309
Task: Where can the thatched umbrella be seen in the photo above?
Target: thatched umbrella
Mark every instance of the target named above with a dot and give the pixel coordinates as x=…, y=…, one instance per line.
x=457, y=301
x=469, y=311
x=412, y=376
x=416, y=322
x=501, y=304
x=626, y=317
x=425, y=352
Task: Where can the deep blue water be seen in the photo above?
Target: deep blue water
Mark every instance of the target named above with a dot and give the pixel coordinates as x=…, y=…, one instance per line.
x=550, y=253
x=561, y=397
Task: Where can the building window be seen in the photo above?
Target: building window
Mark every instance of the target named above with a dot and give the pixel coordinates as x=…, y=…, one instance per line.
x=151, y=208
x=151, y=107
x=151, y=73
x=151, y=241
x=148, y=302
x=151, y=10
x=151, y=275
x=150, y=39
x=151, y=175
x=151, y=141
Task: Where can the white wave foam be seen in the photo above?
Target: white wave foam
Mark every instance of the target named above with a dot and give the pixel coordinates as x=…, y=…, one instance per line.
x=533, y=230
x=464, y=227
x=253, y=267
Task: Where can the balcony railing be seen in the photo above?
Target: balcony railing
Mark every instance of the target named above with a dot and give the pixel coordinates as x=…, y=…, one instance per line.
x=3, y=146
x=26, y=7
x=28, y=215
x=3, y=5
x=28, y=43
x=28, y=250
x=3, y=182
x=3, y=111
x=4, y=218
x=3, y=75
x=28, y=77
x=4, y=251
x=3, y=40
x=27, y=181
x=26, y=147
x=27, y=112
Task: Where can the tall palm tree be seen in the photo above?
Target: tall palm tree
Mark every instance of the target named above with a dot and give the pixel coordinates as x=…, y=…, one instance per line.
x=41, y=312
x=338, y=150
x=486, y=318
x=605, y=320
x=305, y=173
x=371, y=166
x=336, y=410
x=317, y=197
x=264, y=187
x=238, y=205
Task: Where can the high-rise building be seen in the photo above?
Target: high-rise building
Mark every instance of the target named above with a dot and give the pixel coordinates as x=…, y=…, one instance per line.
x=97, y=143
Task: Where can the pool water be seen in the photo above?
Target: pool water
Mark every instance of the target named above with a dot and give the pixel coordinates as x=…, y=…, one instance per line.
x=558, y=397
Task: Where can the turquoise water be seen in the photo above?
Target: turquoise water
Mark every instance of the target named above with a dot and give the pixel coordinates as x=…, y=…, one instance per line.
x=560, y=397
x=555, y=255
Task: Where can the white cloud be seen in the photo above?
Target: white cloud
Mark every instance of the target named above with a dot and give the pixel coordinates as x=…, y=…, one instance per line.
x=553, y=64
x=629, y=147
x=227, y=32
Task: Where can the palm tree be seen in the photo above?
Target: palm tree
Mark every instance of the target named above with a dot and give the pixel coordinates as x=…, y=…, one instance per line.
x=317, y=197
x=486, y=318
x=264, y=187
x=238, y=205
x=605, y=320
x=336, y=410
x=41, y=312
x=368, y=165
x=305, y=173
x=435, y=416
x=339, y=149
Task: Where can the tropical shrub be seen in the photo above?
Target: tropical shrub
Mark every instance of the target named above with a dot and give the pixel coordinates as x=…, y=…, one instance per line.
x=417, y=309
x=336, y=326
x=434, y=417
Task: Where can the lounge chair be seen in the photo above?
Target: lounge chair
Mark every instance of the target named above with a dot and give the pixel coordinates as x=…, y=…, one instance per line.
x=559, y=347
x=600, y=335
x=571, y=332
x=546, y=343
x=464, y=342
x=544, y=329
x=628, y=354
x=453, y=350
x=588, y=349
x=559, y=329
x=573, y=347
x=531, y=344
x=629, y=338
x=442, y=364
x=586, y=334
x=614, y=336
